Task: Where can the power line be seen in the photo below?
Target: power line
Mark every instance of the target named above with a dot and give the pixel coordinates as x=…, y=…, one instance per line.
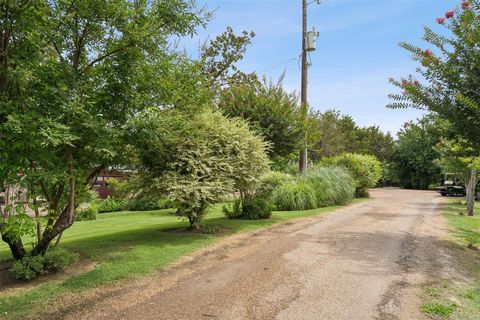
x=280, y=64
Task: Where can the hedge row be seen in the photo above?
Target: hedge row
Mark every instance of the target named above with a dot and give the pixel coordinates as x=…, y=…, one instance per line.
x=334, y=181
x=112, y=205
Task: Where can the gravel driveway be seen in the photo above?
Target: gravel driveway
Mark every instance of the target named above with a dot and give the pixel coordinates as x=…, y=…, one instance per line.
x=363, y=261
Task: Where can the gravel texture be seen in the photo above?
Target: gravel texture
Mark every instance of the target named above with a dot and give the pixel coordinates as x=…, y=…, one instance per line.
x=364, y=261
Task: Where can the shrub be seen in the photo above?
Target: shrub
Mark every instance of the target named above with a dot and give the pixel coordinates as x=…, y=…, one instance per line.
x=288, y=165
x=219, y=156
x=257, y=208
x=148, y=204
x=118, y=189
x=57, y=259
x=233, y=210
x=28, y=268
x=254, y=208
x=333, y=185
x=88, y=208
x=362, y=192
x=88, y=212
x=112, y=205
x=210, y=229
x=366, y=170
x=270, y=182
x=295, y=195
x=54, y=260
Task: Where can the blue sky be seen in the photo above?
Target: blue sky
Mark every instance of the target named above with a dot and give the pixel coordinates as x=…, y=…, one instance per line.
x=357, y=50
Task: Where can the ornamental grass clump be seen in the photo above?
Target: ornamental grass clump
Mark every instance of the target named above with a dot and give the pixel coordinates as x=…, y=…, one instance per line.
x=333, y=185
x=295, y=195
x=366, y=170
x=272, y=181
x=320, y=187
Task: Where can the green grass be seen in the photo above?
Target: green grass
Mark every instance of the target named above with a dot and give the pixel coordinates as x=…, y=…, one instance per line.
x=466, y=229
x=440, y=301
x=130, y=244
x=433, y=291
x=444, y=309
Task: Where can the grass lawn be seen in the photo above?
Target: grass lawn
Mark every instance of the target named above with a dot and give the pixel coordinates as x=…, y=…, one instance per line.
x=466, y=229
x=129, y=244
x=466, y=303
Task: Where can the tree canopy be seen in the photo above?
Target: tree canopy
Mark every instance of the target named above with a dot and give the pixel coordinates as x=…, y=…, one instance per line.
x=416, y=155
x=449, y=72
x=270, y=110
x=70, y=77
x=449, y=77
x=196, y=160
x=340, y=134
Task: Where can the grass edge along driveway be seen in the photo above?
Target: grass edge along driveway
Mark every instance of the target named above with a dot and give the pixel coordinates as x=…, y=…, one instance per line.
x=444, y=298
x=127, y=245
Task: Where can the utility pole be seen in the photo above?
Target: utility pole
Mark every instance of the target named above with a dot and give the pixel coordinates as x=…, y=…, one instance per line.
x=309, y=43
x=303, y=90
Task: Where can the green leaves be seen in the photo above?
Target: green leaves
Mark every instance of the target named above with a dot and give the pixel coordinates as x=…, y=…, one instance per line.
x=271, y=111
x=366, y=170
x=195, y=160
x=416, y=156
x=53, y=134
x=451, y=70
x=72, y=73
x=18, y=225
x=218, y=58
x=339, y=134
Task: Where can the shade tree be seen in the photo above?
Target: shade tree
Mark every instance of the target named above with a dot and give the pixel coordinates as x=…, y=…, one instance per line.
x=416, y=155
x=72, y=73
x=448, y=73
x=270, y=110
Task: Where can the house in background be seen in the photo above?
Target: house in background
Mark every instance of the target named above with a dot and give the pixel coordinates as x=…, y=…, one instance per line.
x=16, y=196
x=101, y=183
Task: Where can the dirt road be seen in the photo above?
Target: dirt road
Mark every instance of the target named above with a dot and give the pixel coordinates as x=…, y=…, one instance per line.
x=364, y=261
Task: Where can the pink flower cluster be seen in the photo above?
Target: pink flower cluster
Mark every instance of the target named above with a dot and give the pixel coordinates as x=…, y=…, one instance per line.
x=451, y=14
x=428, y=57
x=406, y=83
x=466, y=5
x=410, y=82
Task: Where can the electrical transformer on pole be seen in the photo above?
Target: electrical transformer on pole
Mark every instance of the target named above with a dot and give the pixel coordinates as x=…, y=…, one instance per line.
x=309, y=41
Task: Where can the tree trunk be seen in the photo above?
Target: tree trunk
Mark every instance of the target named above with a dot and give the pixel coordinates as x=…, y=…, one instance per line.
x=194, y=223
x=66, y=218
x=37, y=216
x=59, y=238
x=471, y=192
x=16, y=247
